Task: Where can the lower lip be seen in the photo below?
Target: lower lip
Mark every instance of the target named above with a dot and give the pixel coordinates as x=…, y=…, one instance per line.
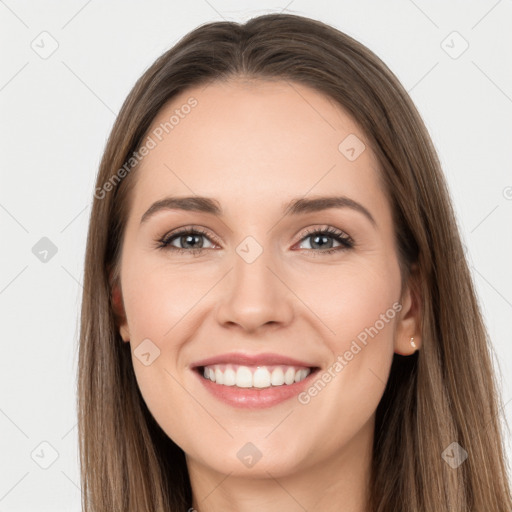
x=254, y=398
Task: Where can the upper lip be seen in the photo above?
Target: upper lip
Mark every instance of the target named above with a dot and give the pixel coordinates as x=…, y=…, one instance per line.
x=265, y=359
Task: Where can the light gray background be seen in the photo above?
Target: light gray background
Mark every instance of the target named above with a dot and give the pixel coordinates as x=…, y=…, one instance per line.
x=56, y=113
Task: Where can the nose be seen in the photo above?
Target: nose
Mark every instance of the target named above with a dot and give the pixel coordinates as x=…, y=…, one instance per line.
x=254, y=295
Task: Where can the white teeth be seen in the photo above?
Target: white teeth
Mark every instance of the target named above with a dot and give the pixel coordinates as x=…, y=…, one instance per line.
x=289, y=376
x=261, y=378
x=243, y=377
x=229, y=377
x=301, y=375
x=254, y=377
x=219, y=377
x=277, y=378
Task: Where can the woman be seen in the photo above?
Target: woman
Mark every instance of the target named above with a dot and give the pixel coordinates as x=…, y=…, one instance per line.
x=228, y=360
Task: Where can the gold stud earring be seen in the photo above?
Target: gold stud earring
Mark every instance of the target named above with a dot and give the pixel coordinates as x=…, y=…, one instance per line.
x=413, y=343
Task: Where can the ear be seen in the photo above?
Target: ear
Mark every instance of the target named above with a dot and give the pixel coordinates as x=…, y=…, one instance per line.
x=116, y=298
x=409, y=322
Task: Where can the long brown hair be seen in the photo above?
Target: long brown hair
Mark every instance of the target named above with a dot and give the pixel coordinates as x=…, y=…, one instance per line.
x=446, y=392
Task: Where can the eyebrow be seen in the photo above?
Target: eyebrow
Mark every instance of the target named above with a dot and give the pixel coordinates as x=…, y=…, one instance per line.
x=296, y=206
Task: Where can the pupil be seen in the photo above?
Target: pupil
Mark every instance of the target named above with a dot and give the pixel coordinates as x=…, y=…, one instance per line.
x=190, y=238
x=319, y=237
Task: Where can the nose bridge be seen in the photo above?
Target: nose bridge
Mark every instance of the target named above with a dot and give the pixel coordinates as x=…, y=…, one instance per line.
x=253, y=295
x=251, y=267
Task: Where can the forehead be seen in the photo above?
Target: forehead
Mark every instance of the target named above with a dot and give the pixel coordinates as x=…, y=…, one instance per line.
x=254, y=141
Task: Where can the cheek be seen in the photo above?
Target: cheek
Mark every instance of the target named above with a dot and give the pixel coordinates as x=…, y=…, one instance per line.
x=362, y=309
x=169, y=404
x=159, y=306
x=158, y=296
x=360, y=305
x=353, y=299
x=367, y=307
x=159, y=302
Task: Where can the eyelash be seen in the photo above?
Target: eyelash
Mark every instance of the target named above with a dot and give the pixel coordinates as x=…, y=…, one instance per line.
x=341, y=237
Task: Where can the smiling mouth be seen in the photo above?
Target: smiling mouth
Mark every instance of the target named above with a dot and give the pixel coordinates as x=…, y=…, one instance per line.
x=256, y=377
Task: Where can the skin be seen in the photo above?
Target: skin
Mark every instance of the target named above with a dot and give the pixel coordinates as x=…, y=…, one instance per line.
x=254, y=146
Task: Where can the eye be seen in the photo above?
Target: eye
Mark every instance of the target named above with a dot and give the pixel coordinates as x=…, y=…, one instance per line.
x=190, y=239
x=319, y=239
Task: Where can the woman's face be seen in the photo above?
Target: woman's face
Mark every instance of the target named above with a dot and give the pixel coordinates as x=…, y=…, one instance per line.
x=270, y=296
